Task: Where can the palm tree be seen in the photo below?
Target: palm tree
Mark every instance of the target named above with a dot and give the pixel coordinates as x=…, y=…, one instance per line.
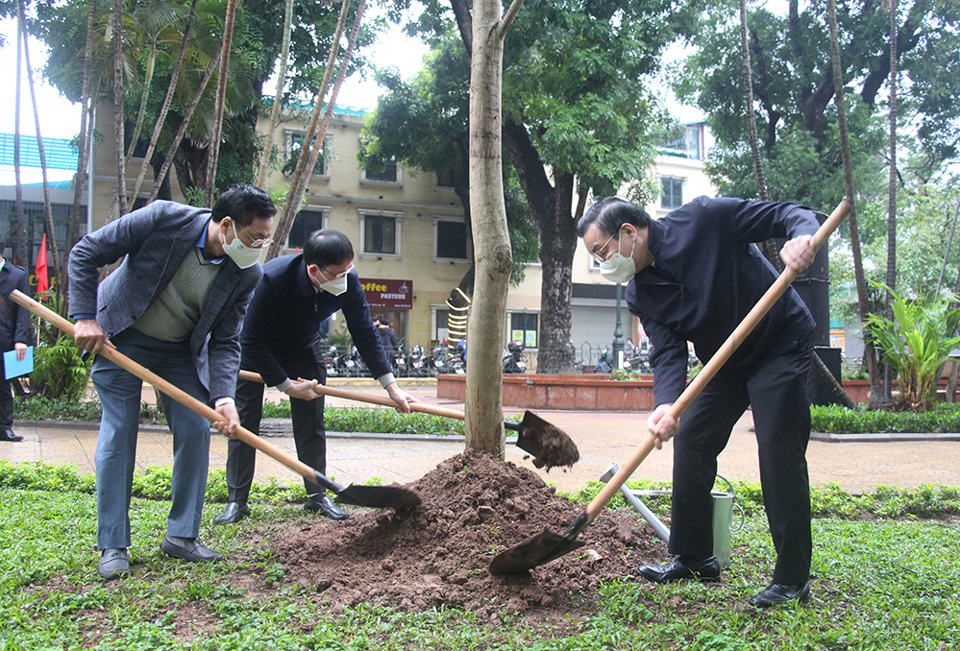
x=278, y=95
x=213, y=153
x=120, y=201
x=892, y=199
x=48, y=209
x=869, y=350
x=167, y=100
x=306, y=161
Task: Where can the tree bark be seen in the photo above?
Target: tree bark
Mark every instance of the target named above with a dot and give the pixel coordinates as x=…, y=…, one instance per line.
x=277, y=96
x=120, y=200
x=492, y=252
x=213, y=152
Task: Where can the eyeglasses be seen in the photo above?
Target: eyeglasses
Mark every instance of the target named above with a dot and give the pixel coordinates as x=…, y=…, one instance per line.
x=338, y=275
x=599, y=255
x=254, y=244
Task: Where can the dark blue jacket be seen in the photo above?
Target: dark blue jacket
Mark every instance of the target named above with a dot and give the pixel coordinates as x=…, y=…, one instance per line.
x=283, y=320
x=13, y=277
x=706, y=277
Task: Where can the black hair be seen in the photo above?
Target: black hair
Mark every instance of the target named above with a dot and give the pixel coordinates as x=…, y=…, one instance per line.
x=243, y=203
x=327, y=247
x=609, y=214
x=385, y=319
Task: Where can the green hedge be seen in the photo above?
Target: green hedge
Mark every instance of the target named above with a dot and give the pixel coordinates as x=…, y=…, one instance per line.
x=839, y=420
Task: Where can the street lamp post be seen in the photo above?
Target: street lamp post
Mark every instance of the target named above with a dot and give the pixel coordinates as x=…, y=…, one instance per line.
x=617, y=333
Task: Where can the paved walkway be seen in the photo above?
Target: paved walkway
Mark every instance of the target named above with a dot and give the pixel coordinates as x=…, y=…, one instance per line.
x=603, y=438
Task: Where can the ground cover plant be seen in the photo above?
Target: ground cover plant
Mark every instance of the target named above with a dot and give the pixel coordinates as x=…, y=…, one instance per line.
x=293, y=581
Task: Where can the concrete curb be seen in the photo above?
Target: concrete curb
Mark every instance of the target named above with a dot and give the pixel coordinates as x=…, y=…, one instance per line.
x=882, y=437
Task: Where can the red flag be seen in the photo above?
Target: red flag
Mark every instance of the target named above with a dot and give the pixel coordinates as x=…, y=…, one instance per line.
x=43, y=282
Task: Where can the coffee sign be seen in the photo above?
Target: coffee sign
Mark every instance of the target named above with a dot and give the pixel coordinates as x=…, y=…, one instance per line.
x=389, y=294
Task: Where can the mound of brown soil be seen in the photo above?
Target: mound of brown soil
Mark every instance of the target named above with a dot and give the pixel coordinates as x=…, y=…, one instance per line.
x=474, y=506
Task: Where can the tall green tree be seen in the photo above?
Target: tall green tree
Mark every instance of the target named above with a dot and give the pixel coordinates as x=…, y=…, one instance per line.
x=577, y=119
x=794, y=86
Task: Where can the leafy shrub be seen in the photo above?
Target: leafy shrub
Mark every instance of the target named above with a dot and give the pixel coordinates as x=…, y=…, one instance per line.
x=40, y=408
x=945, y=417
x=59, y=370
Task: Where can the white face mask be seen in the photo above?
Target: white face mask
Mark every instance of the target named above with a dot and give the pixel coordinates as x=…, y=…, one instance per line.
x=619, y=268
x=336, y=286
x=239, y=252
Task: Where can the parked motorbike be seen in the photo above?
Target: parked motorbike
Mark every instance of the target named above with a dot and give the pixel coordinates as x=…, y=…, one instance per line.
x=605, y=363
x=330, y=358
x=399, y=362
x=417, y=362
x=513, y=361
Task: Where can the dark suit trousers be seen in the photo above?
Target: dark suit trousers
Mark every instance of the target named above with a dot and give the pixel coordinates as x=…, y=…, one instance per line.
x=776, y=389
x=309, y=433
x=6, y=403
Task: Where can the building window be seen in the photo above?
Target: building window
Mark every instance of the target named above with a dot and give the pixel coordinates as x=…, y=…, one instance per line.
x=449, y=240
x=294, y=144
x=446, y=179
x=382, y=171
x=523, y=327
x=440, y=328
x=306, y=222
x=672, y=195
x=380, y=233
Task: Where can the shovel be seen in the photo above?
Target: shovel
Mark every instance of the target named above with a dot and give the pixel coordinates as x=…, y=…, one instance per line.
x=548, y=545
x=549, y=445
x=370, y=496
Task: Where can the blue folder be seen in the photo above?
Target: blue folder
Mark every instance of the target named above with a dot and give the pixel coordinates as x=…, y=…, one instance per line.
x=14, y=368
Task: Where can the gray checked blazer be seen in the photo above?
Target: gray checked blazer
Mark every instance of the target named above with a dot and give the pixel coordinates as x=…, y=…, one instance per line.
x=153, y=241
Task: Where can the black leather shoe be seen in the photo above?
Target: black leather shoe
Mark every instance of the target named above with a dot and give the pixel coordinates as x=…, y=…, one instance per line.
x=777, y=594
x=113, y=564
x=705, y=570
x=9, y=435
x=325, y=507
x=233, y=513
x=188, y=549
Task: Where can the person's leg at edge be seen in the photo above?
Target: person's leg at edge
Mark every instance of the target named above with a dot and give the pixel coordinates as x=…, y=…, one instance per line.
x=242, y=458
x=703, y=433
x=781, y=414
x=115, y=455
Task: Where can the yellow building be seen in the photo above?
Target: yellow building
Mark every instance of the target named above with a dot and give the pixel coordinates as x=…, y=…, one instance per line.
x=412, y=243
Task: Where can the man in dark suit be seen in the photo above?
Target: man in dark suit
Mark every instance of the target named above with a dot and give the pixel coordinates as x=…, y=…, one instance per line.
x=14, y=333
x=280, y=341
x=174, y=305
x=692, y=276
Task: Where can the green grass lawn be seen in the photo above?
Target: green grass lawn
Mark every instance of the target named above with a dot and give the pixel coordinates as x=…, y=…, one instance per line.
x=878, y=584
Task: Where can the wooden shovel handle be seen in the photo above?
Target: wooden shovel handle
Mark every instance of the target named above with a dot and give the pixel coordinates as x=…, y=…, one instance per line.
x=384, y=401
x=169, y=389
x=710, y=369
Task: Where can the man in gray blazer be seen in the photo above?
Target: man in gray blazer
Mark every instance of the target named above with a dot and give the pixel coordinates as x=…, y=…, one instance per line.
x=174, y=305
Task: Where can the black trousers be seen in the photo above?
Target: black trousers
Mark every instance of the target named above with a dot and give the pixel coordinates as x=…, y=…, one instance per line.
x=309, y=433
x=6, y=403
x=776, y=389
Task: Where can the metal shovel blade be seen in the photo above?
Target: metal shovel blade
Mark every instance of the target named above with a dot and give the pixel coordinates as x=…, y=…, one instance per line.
x=549, y=445
x=378, y=497
x=542, y=548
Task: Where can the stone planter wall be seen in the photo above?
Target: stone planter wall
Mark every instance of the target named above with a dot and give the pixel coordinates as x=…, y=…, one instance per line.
x=587, y=392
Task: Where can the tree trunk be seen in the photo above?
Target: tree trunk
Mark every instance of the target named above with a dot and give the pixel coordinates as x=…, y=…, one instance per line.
x=301, y=175
x=492, y=252
x=213, y=152
x=175, y=146
x=83, y=155
x=277, y=96
x=299, y=188
x=120, y=201
x=162, y=117
x=20, y=234
x=869, y=352
x=892, y=194
x=47, y=207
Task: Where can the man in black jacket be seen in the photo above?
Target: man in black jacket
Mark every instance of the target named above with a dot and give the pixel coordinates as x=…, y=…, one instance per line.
x=692, y=276
x=14, y=334
x=280, y=340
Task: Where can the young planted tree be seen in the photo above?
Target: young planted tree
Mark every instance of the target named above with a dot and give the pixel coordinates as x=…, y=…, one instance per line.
x=491, y=240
